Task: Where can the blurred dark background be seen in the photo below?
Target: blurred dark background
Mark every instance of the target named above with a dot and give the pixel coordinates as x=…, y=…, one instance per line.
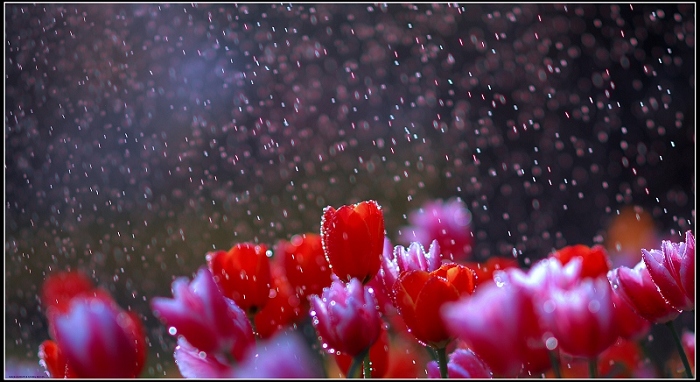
x=140, y=136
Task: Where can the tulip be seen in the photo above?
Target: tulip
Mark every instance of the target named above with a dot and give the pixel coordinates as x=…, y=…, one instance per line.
x=305, y=264
x=53, y=360
x=419, y=295
x=59, y=288
x=630, y=325
x=636, y=287
x=209, y=321
x=353, y=238
x=243, y=274
x=463, y=363
x=193, y=363
x=283, y=356
x=500, y=324
x=378, y=355
x=284, y=307
x=595, y=260
x=448, y=222
x=346, y=317
x=581, y=318
x=402, y=260
x=673, y=270
x=109, y=343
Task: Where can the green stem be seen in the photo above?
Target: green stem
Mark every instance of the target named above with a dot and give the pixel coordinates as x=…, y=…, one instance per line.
x=367, y=368
x=679, y=346
x=555, y=363
x=356, y=362
x=593, y=367
x=442, y=361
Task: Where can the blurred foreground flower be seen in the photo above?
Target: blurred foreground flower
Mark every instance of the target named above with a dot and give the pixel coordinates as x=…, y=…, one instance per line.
x=463, y=363
x=94, y=337
x=210, y=322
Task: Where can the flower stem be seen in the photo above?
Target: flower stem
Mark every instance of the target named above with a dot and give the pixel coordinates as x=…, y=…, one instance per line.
x=367, y=368
x=679, y=346
x=356, y=362
x=555, y=363
x=593, y=367
x=442, y=361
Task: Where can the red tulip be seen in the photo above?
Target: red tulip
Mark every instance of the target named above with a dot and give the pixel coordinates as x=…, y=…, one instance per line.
x=284, y=307
x=462, y=363
x=353, y=239
x=305, y=264
x=673, y=271
x=419, y=295
x=209, y=321
x=636, y=287
x=243, y=274
x=595, y=260
x=346, y=317
x=630, y=325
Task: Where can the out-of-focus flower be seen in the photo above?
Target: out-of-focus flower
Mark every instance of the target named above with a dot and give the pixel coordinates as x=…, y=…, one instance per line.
x=378, y=356
x=53, y=360
x=633, y=228
x=500, y=324
x=305, y=264
x=194, y=363
x=484, y=270
x=110, y=342
x=419, y=295
x=688, y=343
x=462, y=363
x=346, y=316
x=673, y=270
x=353, y=239
x=595, y=261
x=636, y=287
x=243, y=274
x=404, y=259
x=98, y=339
x=209, y=321
x=284, y=307
x=448, y=222
x=581, y=318
x=285, y=355
x=59, y=288
x=406, y=358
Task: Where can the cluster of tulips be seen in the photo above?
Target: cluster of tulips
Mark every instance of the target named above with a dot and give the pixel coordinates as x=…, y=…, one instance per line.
x=239, y=316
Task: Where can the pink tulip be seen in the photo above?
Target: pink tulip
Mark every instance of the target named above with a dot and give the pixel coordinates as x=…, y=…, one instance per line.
x=98, y=339
x=673, y=270
x=631, y=326
x=499, y=323
x=462, y=363
x=194, y=363
x=209, y=321
x=582, y=319
x=636, y=287
x=346, y=317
